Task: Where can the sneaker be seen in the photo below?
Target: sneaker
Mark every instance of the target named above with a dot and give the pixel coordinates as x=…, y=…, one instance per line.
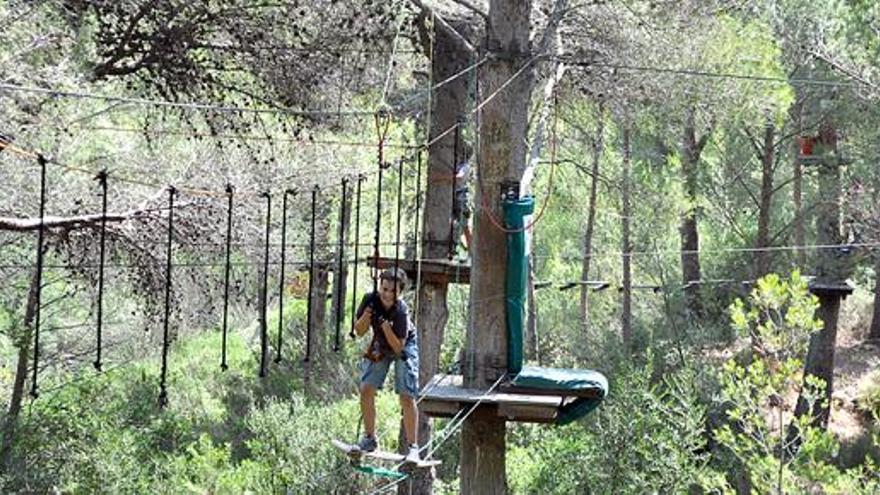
x=367, y=444
x=413, y=454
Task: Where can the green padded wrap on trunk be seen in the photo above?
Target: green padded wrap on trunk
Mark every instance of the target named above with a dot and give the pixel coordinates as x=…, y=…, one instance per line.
x=515, y=212
x=567, y=382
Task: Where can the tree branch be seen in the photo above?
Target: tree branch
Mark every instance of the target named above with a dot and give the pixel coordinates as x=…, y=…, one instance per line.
x=74, y=222
x=460, y=40
x=473, y=8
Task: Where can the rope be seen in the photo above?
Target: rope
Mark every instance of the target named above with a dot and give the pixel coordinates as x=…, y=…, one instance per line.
x=39, y=272
x=102, y=179
x=418, y=242
x=226, y=272
x=183, y=105
x=264, y=293
x=310, y=296
x=382, y=125
x=339, y=280
x=357, y=229
x=163, y=392
x=399, y=208
x=452, y=427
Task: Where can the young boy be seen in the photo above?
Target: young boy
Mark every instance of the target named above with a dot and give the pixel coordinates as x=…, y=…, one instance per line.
x=394, y=340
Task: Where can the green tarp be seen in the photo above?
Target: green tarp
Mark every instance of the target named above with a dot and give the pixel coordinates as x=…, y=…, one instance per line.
x=576, y=382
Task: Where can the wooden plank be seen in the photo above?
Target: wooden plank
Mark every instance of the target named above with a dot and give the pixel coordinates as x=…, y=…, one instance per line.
x=448, y=389
x=354, y=452
x=530, y=414
x=445, y=397
x=592, y=393
x=434, y=270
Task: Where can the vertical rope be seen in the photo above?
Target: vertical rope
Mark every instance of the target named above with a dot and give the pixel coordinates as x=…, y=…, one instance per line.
x=382, y=123
x=340, y=281
x=309, y=303
x=452, y=240
x=102, y=179
x=39, y=279
x=227, y=270
x=399, y=205
x=163, y=391
x=357, y=234
x=418, y=239
x=264, y=312
x=281, y=282
x=377, y=231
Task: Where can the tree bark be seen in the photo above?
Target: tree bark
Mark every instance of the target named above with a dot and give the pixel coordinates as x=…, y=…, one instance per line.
x=626, y=314
x=502, y=160
x=320, y=288
x=598, y=149
x=449, y=104
x=874, y=334
x=340, y=276
x=23, y=342
x=762, y=241
x=690, y=239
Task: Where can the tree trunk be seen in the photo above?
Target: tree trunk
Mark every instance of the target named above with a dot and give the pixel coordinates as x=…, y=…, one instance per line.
x=340, y=277
x=797, y=196
x=502, y=160
x=320, y=288
x=449, y=104
x=23, y=342
x=875, y=321
x=767, y=157
x=626, y=315
x=598, y=148
x=690, y=239
x=831, y=268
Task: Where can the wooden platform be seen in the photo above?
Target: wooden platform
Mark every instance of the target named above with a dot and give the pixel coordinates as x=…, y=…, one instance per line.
x=444, y=397
x=433, y=270
x=830, y=289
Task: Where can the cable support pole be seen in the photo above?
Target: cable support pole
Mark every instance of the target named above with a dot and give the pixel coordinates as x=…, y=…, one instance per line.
x=281, y=283
x=102, y=179
x=39, y=275
x=456, y=136
x=357, y=233
x=309, y=303
x=163, y=390
x=226, y=272
x=399, y=208
x=264, y=312
x=340, y=282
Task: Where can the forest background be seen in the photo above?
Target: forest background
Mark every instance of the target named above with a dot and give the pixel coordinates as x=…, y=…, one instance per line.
x=708, y=230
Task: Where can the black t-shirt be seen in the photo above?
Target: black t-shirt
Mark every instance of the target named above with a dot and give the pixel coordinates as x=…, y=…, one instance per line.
x=398, y=315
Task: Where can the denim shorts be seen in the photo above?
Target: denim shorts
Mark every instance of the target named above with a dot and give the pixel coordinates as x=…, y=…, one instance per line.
x=406, y=370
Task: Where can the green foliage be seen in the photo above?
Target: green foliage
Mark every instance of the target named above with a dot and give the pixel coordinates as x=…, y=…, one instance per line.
x=647, y=438
x=223, y=432
x=779, y=319
x=777, y=452
x=868, y=399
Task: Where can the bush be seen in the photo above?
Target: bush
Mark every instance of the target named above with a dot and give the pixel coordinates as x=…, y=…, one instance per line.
x=646, y=438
